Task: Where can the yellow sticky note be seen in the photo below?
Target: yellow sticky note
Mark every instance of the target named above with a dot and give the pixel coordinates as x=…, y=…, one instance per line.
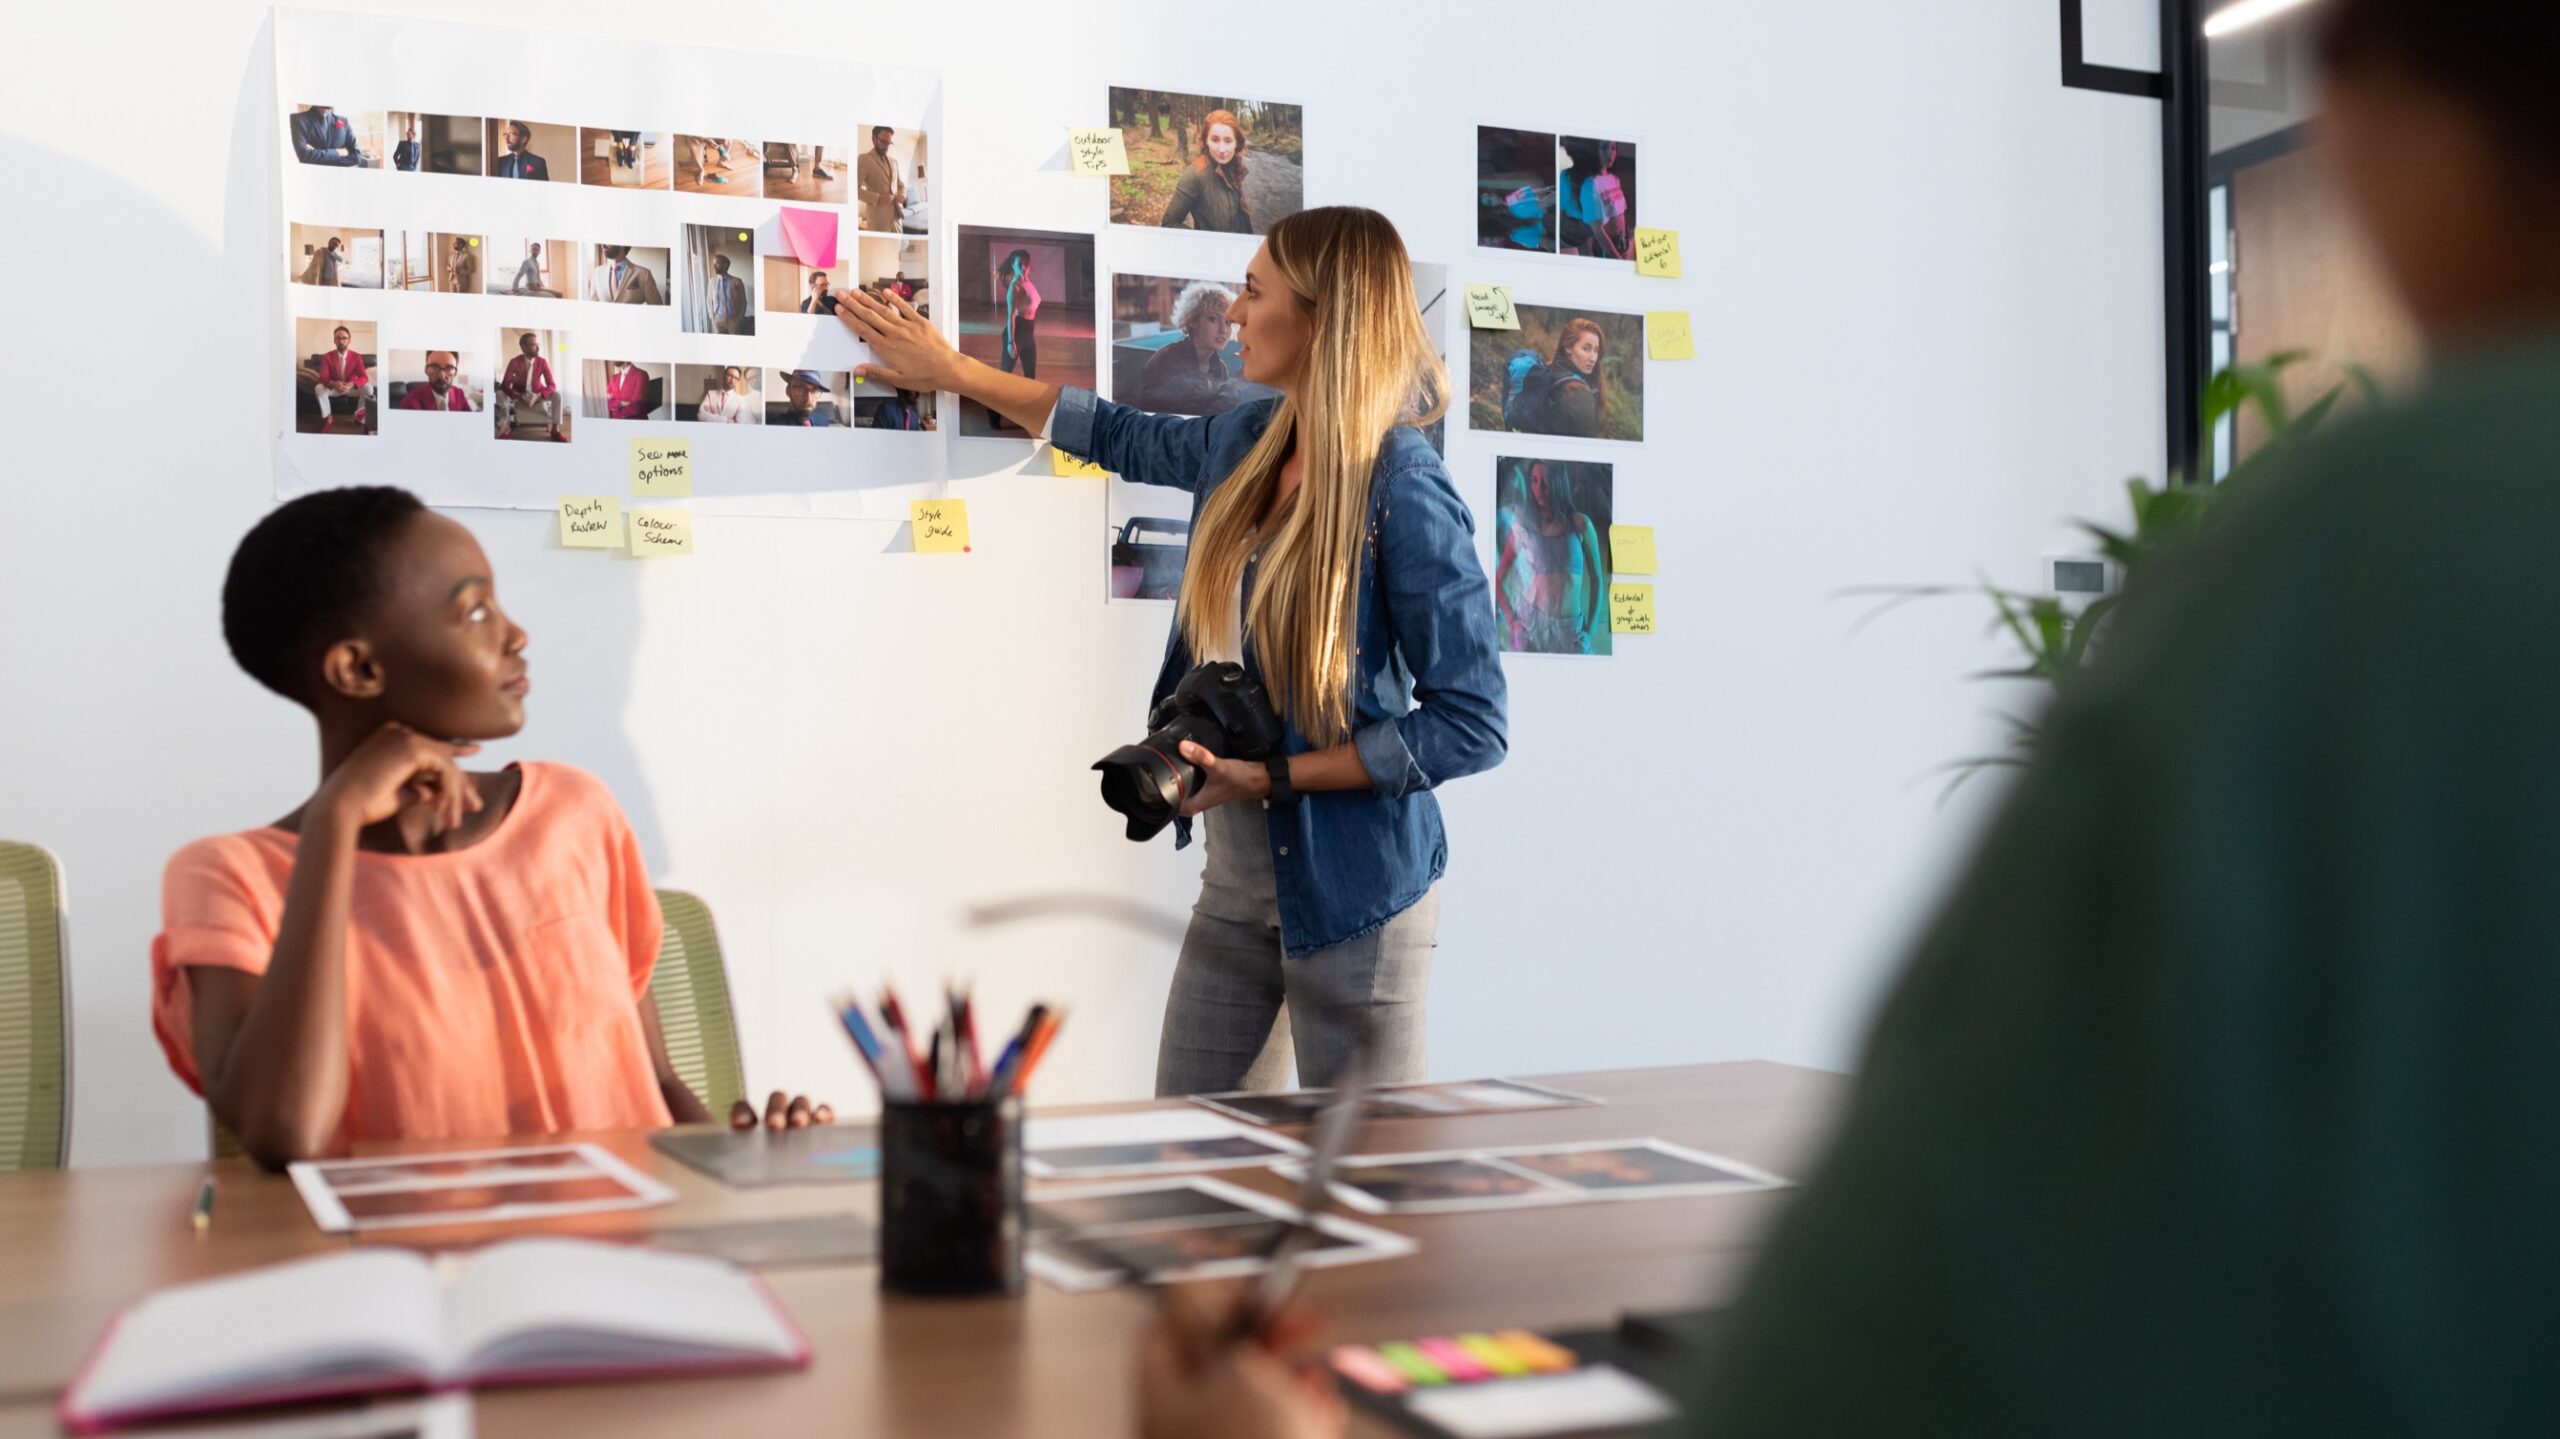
x=1062, y=463
x=662, y=468
x=590, y=522
x=1666, y=335
x=1097, y=152
x=1631, y=549
x=942, y=526
x=1631, y=609
x=661, y=532
x=1658, y=253
x=1489, y=308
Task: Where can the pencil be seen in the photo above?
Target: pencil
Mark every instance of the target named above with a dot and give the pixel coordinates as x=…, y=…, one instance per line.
x=203, y=1215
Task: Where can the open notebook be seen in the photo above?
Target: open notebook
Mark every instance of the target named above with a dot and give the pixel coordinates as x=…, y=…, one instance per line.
x=526, y=1311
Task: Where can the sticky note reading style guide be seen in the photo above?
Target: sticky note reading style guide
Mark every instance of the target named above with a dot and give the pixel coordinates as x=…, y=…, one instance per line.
x=1097, y=152
x=1062, y=463
x=1489, y=308
x=1631, y=549
x=590, y=522
x=1666, y=335
x=1658, y=253
x=661, y=468
x=1631, y=609
x=942, y=526
x=660, y=532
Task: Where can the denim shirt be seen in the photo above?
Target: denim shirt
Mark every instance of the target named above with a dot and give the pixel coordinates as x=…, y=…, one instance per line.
x=1427, y=688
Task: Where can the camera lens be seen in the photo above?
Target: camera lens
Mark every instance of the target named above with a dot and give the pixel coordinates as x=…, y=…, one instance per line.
x=1146, y=785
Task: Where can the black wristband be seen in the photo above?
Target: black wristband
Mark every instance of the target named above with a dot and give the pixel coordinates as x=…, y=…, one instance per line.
x=1282, y=793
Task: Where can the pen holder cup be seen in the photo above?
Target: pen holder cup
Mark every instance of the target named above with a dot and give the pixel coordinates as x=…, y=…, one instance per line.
x=951, y=1197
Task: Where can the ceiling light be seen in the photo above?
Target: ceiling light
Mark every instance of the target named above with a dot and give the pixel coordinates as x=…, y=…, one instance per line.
x=2241, y=14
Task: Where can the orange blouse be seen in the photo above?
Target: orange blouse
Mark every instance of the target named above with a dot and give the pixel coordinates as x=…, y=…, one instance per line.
x=490, y=991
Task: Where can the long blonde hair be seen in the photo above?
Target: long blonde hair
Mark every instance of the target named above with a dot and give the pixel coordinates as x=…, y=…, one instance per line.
x=1369, y=366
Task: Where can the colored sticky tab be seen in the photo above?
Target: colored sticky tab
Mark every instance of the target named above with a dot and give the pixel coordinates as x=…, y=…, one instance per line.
x=662, y=468
x=942, y=526
x=590, y=522
x=1485, y=1351
x=1658, y=253
x=1543, y=1355
x=1631, y=550
x=1062, y=463
x=1410, y=1361
x=1666, y=335
x=1361, y=1365
x=1453, y=1361
x=1097, y=152
x=811, y=234
x=1489, y=308
x=1631, y=609
x=660, y=532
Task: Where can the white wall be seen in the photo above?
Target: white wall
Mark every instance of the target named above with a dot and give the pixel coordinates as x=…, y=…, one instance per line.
x=1925, y=278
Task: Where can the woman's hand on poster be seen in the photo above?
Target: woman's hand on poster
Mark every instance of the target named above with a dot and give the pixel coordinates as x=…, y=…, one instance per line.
x=782, y=1111
x=1223, y=781
x=913, y=354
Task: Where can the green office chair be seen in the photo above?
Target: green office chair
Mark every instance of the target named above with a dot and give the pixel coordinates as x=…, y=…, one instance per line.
x=691, y=988
x=35, y=1011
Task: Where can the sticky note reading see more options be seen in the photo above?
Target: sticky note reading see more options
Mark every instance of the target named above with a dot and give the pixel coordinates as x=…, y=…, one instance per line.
x=1631, y=609
x=1666, y=335
x=661, y=468
x=1489, y=308
x=660, y=532
x=590, y=522
x=1097, y=152
x=942, y=526
x=1658, y=253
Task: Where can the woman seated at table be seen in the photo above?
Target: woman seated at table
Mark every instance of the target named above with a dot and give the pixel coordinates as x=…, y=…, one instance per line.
x=414, y=951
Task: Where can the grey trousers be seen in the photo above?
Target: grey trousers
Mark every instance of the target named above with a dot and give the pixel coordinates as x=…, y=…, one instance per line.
x=1240, y=1010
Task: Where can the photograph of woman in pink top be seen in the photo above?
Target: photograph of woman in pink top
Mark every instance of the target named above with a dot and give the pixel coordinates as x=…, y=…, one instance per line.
x=1021, y=311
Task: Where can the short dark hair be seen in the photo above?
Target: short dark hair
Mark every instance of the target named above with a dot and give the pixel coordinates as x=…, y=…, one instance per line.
x=342, y=330
x=879, y=130
x=303, y=576
x=2496, y=56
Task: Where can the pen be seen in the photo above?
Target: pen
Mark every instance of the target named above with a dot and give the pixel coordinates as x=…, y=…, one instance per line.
x=204, y=1206
x=895, y=1016
x=1039, y=1046
x=1000, y=1080
x=1334, y=1128
x=965, y=1019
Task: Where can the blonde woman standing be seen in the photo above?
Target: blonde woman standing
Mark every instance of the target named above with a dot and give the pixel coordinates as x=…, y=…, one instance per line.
x=1332, y=557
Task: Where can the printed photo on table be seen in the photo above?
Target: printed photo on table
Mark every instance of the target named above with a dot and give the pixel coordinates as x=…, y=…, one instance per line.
x=1027, y=308
x=1207, y=162
x=627, y=274
x=443, y=382
x=889, y=181
x=326, y=135
x=626, y=390
x=336, y=257
x=1551, y=555
x=720, y=394
x=876, y=407
x=627, y=159
x=334, y=392
x=806, y=399
x=529, y=404
x=719, y=280
x=790, y=286
x=531, y=150
x=807, y=172
x=718, y=165
x=903, y=268
x=1557, y=194
x=530, y=267
x=404, y=132
x=1571, y=372
x=451, y=144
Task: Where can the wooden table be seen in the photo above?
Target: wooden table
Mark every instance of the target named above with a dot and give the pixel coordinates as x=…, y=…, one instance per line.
x=81, y=1244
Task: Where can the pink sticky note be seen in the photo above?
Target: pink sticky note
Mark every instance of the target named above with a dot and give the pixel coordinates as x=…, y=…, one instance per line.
x=811, y=234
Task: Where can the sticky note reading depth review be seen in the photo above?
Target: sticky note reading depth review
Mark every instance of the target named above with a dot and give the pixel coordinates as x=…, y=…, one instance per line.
x=1062, y=463
x=1097, y=152
x=1631, y=549
x=1631, y=609
x=1666, y=335
x=942, y=526
x=590, y=522
x=1658, y=253
x=660, y=532
x=1489, y=308
x=662, y=469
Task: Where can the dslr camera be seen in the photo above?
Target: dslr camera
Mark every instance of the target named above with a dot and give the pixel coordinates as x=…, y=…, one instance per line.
x=1217, y=707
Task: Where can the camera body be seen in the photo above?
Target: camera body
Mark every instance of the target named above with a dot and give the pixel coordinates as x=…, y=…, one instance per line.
x=1217, y=707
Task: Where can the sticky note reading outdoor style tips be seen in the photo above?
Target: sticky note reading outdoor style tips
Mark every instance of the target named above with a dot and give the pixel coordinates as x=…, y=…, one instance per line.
x=1658, y=253
x=1489, y=308
x=1062, y=463
x=1097, y=152
x=1666, y=335
x=661, y=532
x=942, y=526
x=590, y=522
x=811, y=234
x=661, y=468
x=1631, y=609
x=1631, y=549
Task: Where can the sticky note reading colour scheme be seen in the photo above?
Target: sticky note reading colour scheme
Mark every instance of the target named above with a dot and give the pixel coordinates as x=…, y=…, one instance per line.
x=590, y=522
x=661, y=532
x=1489, y=308
x=1097, y=152
x=1631, y=609
x=942, y=526
x=1658, y=253
x=661, y=468
x=1666, y=335
x=1062, y=463
x=1631, y=549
